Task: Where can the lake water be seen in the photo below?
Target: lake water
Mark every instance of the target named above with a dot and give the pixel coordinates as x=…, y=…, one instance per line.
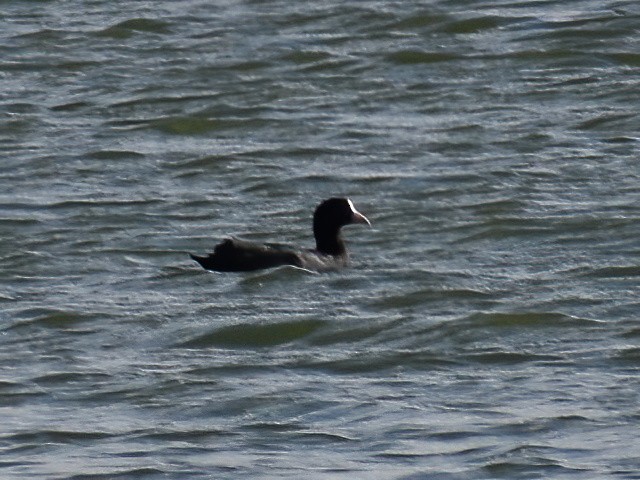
x=488, y=326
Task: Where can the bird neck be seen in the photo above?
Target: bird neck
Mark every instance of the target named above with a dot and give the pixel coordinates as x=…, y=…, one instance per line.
x=329, y=242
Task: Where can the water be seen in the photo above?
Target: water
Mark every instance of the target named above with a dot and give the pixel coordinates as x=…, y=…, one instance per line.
x=488, y=326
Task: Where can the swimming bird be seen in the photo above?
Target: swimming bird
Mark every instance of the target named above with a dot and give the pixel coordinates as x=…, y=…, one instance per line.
x=236, y=255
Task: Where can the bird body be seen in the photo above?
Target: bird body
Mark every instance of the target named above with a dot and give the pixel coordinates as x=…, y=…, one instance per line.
x=237, y=255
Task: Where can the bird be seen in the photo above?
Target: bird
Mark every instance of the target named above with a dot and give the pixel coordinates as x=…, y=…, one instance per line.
x=238, y=255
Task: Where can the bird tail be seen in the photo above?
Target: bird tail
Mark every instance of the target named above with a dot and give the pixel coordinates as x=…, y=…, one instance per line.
x=200, y=260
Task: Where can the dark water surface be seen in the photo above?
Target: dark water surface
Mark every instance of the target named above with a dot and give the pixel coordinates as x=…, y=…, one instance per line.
x=488, y=327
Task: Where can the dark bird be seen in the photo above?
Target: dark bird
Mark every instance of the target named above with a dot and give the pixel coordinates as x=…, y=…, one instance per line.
x=235, y=255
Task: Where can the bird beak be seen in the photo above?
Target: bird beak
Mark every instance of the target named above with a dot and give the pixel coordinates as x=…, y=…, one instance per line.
x=359, y=218
x=356, y=216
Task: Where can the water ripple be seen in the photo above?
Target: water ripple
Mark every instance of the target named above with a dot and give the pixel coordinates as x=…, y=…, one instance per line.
x=487, y=325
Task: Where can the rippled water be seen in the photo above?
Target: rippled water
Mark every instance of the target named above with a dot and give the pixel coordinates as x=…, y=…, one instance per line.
x=488, y=326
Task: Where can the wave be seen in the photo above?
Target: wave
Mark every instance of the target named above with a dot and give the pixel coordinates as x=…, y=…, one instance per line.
x=255, y=335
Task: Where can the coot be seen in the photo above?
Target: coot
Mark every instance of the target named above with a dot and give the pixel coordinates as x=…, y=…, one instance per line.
x=235, y=255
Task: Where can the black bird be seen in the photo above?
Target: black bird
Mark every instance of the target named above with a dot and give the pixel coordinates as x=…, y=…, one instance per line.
x=235, y=255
